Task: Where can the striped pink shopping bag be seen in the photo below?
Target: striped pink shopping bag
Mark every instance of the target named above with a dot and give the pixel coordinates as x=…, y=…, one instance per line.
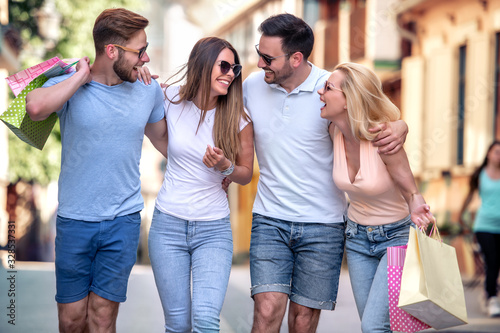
x=401, y=321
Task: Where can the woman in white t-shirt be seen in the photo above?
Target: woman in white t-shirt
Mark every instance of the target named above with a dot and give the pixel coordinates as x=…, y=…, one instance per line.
x=210, y=137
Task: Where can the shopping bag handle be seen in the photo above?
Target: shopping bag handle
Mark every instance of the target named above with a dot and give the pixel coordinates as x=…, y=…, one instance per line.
x=434, y=233
x=65, y=68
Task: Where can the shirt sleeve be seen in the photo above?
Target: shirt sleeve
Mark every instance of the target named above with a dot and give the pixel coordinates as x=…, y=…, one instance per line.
x=55, y=80
x=243, y=121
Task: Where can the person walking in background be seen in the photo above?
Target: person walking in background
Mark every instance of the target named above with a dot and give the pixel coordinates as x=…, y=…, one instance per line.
x=384, y=199
x=104, y=113
x=210, y=137
x=297, y=239
x=486, y=180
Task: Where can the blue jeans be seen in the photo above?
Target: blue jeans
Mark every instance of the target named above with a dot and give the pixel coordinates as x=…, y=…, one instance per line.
x=302, y=260
x=366, y=251
x=182, y=250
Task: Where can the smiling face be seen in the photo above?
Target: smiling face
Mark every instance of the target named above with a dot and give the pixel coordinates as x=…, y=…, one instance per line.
x=220, y=82
x=125, y=67
x=279, y=70
x=334, y=99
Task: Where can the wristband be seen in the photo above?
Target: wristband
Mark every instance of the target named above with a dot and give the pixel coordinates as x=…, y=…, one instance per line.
x=229, y=170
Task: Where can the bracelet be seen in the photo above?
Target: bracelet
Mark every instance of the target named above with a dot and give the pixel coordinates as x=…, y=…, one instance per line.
x=229, y=170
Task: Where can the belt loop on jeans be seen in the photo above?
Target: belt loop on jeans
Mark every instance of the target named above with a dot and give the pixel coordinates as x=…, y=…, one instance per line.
x=381, y=230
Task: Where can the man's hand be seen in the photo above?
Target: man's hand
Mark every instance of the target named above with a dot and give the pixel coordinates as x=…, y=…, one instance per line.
x=391, y=136
x=83, y=69
x=225, y=184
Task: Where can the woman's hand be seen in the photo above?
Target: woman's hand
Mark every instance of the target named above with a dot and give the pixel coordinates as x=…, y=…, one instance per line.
x=144, y=75
x=422, y=216
x=214, y=158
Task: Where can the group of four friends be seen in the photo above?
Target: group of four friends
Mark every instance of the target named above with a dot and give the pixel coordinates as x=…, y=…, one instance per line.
x=207, y=124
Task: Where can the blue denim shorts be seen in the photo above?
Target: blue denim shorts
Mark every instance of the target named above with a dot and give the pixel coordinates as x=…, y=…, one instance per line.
x=302, y=260
x=95, y=256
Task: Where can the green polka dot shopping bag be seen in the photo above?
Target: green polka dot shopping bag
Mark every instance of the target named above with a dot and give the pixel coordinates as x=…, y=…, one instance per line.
x=34, y=133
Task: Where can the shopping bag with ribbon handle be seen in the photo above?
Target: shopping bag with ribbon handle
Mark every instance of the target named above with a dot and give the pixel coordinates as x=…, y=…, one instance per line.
x=34, y=133
x=431, y=285
x=401, y=321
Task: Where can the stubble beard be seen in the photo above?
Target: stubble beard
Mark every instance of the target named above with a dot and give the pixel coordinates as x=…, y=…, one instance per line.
x=122, y=72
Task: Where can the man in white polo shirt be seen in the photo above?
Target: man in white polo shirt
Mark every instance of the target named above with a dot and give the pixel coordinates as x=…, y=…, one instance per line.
x=297, y=240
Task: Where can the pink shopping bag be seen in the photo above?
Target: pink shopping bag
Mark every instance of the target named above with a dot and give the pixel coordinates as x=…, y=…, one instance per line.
x=17, y=82
x=401, y=321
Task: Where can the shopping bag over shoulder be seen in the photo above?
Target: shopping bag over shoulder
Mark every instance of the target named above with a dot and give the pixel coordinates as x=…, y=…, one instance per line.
x=17, y=82
x=34, y=133
x=401, y=321
x=431, y=285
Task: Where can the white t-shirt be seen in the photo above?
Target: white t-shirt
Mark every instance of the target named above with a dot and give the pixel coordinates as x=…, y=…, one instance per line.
x=294, y=151
x=190, y=190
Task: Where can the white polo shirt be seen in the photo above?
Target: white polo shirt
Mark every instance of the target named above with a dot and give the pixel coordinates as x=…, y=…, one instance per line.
x=294, y=151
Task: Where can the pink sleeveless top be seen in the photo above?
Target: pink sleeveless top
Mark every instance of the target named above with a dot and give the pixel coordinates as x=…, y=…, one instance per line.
x=374, y=197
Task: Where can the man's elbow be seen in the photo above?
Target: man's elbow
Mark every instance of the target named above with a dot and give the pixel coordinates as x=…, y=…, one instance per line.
x=34, y=112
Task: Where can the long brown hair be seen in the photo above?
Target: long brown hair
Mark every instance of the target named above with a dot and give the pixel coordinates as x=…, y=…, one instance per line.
x=474, y=178
x=229, y=108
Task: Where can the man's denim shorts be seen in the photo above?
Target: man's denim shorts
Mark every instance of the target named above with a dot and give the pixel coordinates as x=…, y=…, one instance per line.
x=302, y=260
x=95, y=256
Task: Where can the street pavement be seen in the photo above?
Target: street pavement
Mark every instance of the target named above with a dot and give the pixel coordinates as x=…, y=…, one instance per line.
x=35, y=308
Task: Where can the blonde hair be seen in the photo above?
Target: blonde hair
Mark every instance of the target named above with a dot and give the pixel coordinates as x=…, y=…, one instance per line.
x=229, y=108
x=367, y=105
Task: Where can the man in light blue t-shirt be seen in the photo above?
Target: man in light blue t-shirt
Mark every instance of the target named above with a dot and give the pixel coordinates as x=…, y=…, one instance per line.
x=104, y=112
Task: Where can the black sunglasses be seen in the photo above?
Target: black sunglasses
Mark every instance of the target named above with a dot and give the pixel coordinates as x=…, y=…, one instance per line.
x=267, y=59
x=225, y=67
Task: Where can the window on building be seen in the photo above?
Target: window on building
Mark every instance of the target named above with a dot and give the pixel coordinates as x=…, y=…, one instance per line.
x=496, y=101
x=462, y=52
x=315, y=10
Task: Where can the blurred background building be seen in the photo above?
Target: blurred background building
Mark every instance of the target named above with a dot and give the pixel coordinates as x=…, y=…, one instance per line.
x=438, y=60
x=9, y=52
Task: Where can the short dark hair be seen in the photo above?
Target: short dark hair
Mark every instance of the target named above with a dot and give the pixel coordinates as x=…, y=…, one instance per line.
x=116, y=26
x=296, y=35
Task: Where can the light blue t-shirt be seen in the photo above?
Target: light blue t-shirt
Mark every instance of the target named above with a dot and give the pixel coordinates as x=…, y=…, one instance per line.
x=294, y=151
x=102, y=129
x=488, y=214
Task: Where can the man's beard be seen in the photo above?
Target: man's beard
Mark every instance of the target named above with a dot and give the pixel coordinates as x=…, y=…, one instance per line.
x=121, y=71
x=281, y=76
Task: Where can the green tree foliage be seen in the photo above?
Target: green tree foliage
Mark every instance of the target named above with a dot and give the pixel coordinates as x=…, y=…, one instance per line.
x=77, y=19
